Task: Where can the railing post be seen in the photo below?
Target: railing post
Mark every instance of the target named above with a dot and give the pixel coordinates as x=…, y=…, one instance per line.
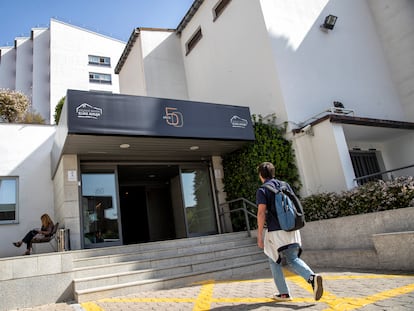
x=246, y=218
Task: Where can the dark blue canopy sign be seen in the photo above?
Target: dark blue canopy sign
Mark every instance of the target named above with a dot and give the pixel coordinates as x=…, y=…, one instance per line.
x=96, y=113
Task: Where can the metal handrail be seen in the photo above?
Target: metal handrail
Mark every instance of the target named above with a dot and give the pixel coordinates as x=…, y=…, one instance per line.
x=383, y=172
x=244, y=209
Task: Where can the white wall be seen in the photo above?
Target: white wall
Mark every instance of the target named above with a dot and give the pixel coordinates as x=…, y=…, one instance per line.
x=323, y=159
x=398, y=153
x=132, y=76
x=69, y=69
x=41, y=57
x=8, y=67
x=24, y=63
x=163, y=64
x=25, y=153
x=316, y=68
x=394, y=20
x=232, y=63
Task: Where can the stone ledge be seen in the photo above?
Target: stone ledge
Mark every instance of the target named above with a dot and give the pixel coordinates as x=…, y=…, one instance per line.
x=395, y=250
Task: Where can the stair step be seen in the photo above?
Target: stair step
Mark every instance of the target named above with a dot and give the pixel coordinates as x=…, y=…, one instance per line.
x=172, y=250
x=157, y=261
x=169, y=281
x=179, y=267
x=124, y=270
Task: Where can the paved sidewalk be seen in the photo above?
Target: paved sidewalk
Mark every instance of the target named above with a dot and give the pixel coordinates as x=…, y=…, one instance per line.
x=344, y=290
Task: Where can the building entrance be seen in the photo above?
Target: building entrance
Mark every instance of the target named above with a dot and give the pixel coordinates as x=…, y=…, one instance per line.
x=134, y=203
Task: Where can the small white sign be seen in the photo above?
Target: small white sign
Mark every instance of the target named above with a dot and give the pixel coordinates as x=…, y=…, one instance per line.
x=217, y=173
x=72, y=176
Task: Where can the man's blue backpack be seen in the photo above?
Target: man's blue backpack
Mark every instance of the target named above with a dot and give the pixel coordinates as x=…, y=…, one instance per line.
x=289, y=210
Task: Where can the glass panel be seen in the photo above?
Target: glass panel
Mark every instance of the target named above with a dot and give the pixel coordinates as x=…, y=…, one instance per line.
x=99, y=208
x=198, y=202
x=8, y=195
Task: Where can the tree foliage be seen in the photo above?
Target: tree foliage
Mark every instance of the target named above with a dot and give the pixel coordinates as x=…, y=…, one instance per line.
x=58, y=109
x=13, y=106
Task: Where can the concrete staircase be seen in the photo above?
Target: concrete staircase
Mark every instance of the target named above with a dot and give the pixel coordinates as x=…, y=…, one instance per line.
x=85, y=275
x=118, y=271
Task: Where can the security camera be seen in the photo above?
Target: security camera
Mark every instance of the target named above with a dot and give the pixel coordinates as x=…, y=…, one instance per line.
x=306, y=128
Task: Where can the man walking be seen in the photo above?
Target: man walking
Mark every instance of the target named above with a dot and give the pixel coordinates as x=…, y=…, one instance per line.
x=280, y=245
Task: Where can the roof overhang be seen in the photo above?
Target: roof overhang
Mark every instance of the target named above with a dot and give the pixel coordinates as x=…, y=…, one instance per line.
x=366, y=129
x=115, y=127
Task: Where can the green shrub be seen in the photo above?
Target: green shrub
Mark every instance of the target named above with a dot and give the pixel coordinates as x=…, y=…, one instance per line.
x=371, y=197
x=241, y=179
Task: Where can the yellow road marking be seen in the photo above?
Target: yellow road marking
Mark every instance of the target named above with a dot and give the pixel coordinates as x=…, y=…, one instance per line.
x=203, y=301
x=352, y=303
x=90, y=306
x=205, y=298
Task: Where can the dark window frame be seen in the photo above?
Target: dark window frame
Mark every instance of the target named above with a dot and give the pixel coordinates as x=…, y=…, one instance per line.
x=365, y=162
x=10, y=217
x=219, y=8
x=194, y=39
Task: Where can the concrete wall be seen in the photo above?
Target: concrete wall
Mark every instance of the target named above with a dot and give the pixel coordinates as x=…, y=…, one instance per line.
x=355, y=232
x=375, y=241
x=25, y=153
x=368, y=241
x=66, y=200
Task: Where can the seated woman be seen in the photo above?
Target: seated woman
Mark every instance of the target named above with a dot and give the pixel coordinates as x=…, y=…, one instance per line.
x=44, y=231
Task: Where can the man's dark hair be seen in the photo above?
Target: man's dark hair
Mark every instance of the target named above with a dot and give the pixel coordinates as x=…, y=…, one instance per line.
x=266, y=170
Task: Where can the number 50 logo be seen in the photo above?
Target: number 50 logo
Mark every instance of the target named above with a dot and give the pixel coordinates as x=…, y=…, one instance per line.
x=173, y=117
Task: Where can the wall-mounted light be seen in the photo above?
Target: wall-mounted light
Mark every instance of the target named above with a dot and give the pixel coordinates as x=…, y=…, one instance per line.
x=329, y=22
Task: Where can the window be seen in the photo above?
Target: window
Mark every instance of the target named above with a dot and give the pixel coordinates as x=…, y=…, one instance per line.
x=219, y=8
x=99, y=60
x=365, y=163
x=8, y=199
x=100, y=78
x=193, y=41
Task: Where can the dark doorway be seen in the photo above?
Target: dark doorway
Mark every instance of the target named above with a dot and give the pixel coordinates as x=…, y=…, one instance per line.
x=146, y=207
x=134, y=214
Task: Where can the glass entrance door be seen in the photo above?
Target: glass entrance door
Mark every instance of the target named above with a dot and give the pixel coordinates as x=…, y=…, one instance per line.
x=100, y=210
x=198, y=201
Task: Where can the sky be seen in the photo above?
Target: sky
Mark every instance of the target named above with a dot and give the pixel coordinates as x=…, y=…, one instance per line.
x=114, y=18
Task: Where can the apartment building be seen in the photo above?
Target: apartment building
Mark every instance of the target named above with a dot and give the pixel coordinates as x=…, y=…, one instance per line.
x=60, y=57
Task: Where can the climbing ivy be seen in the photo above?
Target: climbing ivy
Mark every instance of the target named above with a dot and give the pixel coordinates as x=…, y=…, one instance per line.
x=240, y=167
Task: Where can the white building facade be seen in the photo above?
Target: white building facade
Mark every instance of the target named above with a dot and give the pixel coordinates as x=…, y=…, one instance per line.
x=275, y=58
x=54, y=59
x=269, y=56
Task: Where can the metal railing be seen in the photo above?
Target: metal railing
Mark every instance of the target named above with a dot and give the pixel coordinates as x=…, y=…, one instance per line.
x=358, y=180
x=246, y=212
